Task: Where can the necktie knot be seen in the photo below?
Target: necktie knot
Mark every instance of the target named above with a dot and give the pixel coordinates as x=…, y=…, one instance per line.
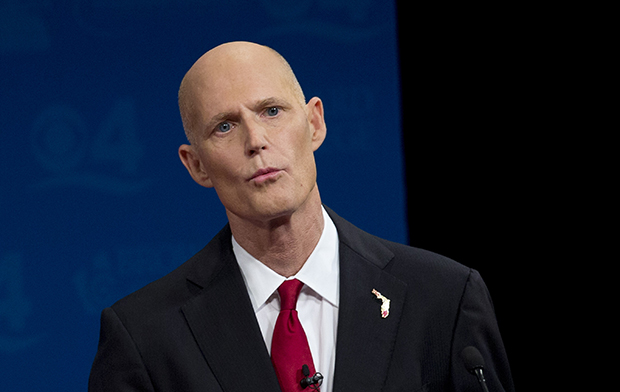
x=289, y=292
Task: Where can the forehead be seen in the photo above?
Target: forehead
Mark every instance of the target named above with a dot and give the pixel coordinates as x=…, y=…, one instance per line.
x=230, y=83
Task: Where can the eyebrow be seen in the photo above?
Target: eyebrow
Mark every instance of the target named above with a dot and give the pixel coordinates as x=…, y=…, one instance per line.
x=258, y=105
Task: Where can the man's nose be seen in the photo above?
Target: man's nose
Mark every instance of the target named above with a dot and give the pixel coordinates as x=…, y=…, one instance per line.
x=256, y=138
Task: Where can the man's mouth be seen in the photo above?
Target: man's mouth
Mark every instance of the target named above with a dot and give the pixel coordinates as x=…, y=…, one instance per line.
x=262, y=175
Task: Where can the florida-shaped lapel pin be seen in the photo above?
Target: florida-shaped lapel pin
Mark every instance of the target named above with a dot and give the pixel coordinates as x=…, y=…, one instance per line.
x=385, y=303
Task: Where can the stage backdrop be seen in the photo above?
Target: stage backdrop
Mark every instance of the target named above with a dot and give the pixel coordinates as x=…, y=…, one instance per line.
x=94, y=202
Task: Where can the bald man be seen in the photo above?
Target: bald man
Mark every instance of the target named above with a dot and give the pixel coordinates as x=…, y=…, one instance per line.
x=375, y=315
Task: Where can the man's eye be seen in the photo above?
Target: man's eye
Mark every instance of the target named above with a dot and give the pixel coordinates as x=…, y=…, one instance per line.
x=273, y=111
x=224, y=127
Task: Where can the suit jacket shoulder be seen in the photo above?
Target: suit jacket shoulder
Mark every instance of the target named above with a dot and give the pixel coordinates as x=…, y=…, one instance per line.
x=173, y=289
x=404, y=261
x=192, y=330
x=444, y=307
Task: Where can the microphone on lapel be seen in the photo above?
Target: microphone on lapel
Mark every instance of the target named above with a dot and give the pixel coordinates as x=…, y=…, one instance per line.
x=313, y=382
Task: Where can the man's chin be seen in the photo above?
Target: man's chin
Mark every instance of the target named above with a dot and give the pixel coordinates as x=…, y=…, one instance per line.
x=272, y=206
x=264, y=210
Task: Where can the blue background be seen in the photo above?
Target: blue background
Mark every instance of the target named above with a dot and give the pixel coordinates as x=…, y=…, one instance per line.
x=94, y=202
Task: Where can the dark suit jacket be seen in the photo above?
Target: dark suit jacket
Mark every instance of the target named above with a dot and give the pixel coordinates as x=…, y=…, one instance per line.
x=195, y=329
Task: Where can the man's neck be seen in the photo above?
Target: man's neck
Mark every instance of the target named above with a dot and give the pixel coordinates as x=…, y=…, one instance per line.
x=285, y=243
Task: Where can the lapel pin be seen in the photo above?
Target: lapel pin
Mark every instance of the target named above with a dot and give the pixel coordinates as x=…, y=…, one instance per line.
x=385, y=303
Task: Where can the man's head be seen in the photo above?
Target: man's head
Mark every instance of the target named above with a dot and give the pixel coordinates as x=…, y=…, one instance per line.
x=252, y=135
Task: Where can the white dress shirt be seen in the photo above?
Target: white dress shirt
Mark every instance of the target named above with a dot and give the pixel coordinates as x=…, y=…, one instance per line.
x=317, y=305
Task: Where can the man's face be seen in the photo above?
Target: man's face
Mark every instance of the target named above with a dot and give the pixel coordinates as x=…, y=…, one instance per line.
x=256, y=138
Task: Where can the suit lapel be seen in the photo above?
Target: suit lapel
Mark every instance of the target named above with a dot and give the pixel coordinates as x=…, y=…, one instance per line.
x=365, y=340
x=222, y=320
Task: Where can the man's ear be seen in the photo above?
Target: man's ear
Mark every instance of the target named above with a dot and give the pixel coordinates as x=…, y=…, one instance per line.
x=316, y=119
x=193, y=164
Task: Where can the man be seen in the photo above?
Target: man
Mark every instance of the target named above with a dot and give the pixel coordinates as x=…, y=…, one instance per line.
x=288, y=289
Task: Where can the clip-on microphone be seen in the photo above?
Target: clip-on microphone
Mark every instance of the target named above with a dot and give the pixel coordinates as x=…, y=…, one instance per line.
x=473, y=361
x=313, y=382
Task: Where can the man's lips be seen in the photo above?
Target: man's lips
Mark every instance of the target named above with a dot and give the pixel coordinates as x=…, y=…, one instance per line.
x=264, y=174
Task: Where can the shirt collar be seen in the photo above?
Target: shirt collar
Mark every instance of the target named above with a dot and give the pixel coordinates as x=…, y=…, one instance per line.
x=320, y=272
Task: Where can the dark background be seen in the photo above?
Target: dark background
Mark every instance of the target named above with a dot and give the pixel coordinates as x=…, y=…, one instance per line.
x=478, y=191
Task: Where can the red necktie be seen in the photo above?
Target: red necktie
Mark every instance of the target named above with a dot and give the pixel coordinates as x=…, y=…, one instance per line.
x=289, y=346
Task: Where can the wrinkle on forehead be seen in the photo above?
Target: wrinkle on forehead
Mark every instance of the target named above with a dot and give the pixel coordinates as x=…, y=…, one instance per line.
x=229, y=63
